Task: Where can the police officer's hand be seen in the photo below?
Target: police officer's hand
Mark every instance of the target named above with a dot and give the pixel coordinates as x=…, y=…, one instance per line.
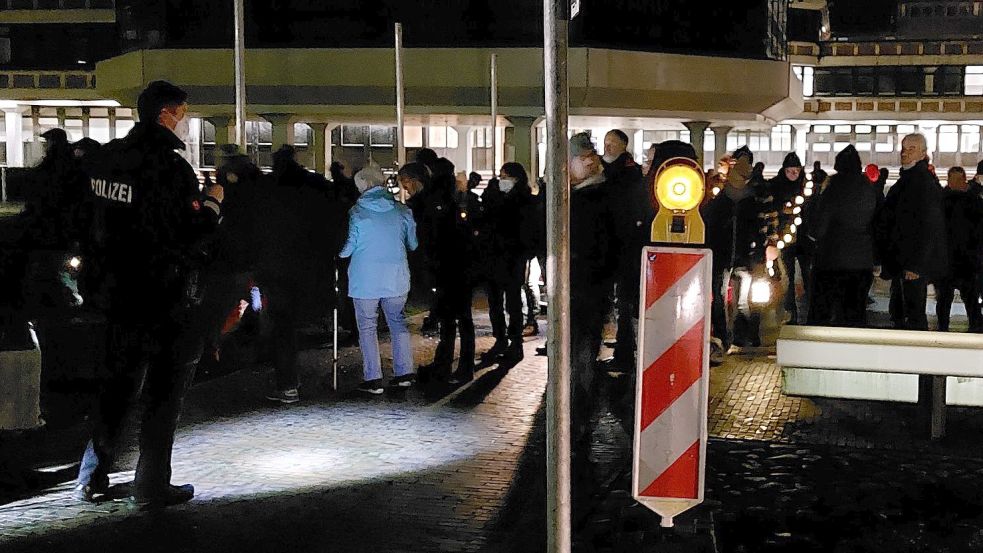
x=216, y=192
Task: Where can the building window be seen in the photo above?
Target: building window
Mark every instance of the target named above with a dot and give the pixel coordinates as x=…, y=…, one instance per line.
x=808, y=77
x=970, y=139
x=441, y=137
x=948, y=138
x=481, y=150
x=974, y=80
x=413, y=136
x=352, y=135
x=384, y=137
x=781, y=138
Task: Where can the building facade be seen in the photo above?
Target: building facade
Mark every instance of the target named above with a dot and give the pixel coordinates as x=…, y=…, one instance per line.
x=777, y=76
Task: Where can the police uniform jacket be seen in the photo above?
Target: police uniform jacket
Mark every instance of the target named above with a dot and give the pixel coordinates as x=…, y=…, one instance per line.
x=150, y=223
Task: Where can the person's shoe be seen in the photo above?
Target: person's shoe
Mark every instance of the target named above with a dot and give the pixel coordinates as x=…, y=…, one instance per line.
x=284, y=396
x=373, y=387
x=88, y=492
x=513, y=354
x=430, y=326
x=497, y=350
x=541, y=351
x=173, y=495
x=404, y=381
x=531, y=329
x=716, y=352
x=462, y=376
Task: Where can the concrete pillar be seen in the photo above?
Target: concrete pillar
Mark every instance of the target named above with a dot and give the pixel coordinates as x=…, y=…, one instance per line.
x=801, y=138
x=719, y=142
x=520, y=136
x=696, y=130
x=637, y=147
x=283, y=129
x=224, y=129
x=319, y=147
x=14, y=123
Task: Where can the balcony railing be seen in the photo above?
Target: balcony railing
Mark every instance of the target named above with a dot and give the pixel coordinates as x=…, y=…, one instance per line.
x=42, y=80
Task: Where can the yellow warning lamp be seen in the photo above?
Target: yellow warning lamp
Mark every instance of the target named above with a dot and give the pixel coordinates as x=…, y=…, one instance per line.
x=678, y=190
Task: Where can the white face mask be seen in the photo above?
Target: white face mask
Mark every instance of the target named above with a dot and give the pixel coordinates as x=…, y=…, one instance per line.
x=183, y=129
x=506, y=184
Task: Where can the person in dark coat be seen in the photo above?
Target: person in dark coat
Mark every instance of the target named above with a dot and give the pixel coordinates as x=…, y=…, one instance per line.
x=785, y=188
x=742, y=236
x=964, y=232
x=510, y=225
x=424, y=204
x=456, y=256
x=842, y=227
x=291, y=255
x=150, y=225
x=593, y=269
x=234, y=246
x=633, y=227
x=342, y=185
x=54, y=217
x=911, y=236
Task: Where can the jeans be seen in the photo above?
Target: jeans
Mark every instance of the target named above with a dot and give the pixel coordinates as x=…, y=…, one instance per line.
x=531, y=290
x=745, y=322
x=454, y=314
x=367, y=315
x=907, y=307
x=155, y=362
x=496, y=311
x=944, y=294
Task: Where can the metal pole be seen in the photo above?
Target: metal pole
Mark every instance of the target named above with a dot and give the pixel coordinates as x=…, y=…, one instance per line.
x=400, y=106
x=494, y=112
x=335, y=348
x=240, y=74
x=3, y=184
x=557, y=277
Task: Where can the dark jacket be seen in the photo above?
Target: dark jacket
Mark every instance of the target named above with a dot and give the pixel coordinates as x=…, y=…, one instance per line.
x=842, y=224
x=150, y=225
x=235, y=241
x=301, y=231
x=593, y=242
x=633, y=216
x=734, y=230
x=54, y=204
x=911, y=226
x=511, y=226
x=964, y=232
x=457, y=248
x=784, y=193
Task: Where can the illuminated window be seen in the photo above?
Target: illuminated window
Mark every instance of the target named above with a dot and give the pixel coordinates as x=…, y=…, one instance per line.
x=821, y=129
x=820, y=147
x=99, y=130
x=413, y=136
x=441, y=137
x=781, y=138
x=970, y=139
x=948, y=138
x=974, y=80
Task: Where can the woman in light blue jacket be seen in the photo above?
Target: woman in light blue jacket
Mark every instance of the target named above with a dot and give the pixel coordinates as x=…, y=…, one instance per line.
x=380, y=231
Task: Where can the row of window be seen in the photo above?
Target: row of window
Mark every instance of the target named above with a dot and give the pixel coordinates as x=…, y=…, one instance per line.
x=942, y=80
x=887, y=138
x=964, y=9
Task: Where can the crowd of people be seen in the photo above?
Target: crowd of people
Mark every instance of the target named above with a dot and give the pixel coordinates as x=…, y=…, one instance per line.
x=166, y=260
x=840, y=231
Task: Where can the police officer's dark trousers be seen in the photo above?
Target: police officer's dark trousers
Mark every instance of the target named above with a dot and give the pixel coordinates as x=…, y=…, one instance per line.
x=151, y=363
x=511, y=289
x=454, y=314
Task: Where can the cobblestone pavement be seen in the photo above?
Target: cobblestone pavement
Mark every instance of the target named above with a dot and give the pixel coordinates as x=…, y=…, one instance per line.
x=423, y=470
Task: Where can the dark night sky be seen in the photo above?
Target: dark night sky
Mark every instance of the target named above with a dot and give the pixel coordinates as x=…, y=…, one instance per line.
x=862, y=17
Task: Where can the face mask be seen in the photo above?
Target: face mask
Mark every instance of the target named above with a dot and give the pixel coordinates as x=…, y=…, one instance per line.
x=610, y=158
x=506, y=184
x=183, y=129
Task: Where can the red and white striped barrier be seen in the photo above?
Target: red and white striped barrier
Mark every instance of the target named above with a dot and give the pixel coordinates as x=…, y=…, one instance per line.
x=672, y=389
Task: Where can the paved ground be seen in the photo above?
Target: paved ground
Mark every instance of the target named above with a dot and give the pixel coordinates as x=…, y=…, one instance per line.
x=442, y=470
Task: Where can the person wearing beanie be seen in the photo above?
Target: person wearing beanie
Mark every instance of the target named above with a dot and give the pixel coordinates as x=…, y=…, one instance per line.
x=380, y=232
x=976, y=185
x=844, y=256
x=742, y=241
x=149, y=225
x=785, y=187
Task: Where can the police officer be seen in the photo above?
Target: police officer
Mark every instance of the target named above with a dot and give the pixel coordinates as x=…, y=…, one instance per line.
x=149, y=223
